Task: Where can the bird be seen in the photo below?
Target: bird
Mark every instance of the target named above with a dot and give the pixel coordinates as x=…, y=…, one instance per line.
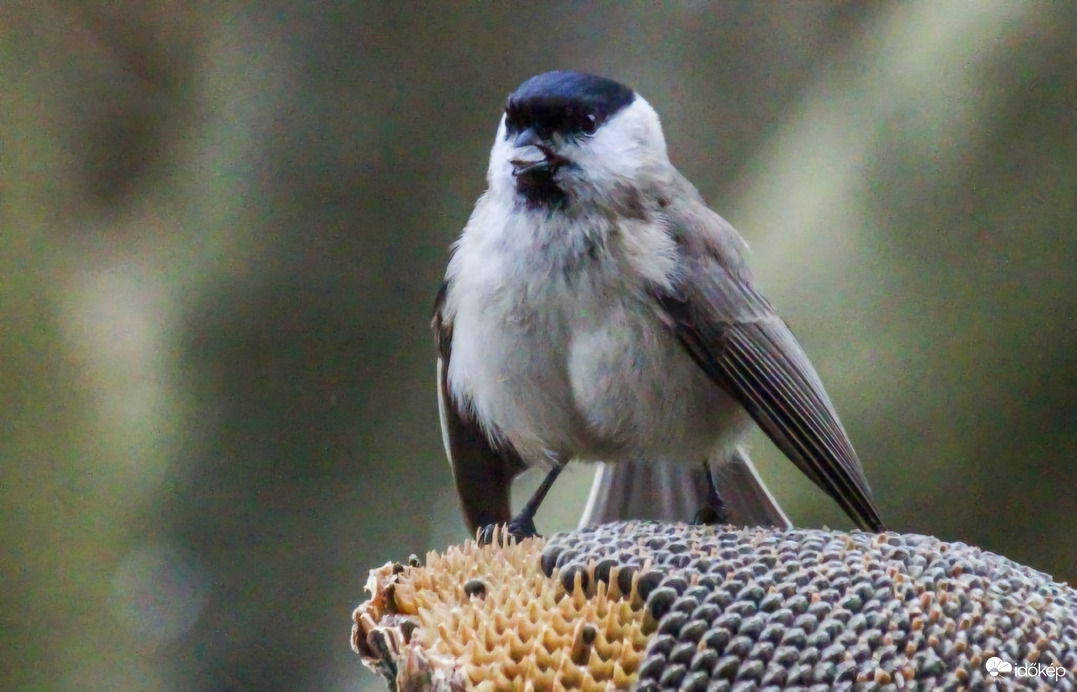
x=595, y=308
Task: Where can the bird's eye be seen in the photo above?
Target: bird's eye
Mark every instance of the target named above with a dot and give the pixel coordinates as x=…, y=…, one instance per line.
x=589, y=124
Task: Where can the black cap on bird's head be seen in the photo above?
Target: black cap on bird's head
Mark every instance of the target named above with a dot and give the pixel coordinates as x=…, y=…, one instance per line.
x=568, y=104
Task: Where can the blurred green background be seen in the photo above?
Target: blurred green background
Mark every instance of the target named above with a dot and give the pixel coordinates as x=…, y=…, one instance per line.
x=223, y=225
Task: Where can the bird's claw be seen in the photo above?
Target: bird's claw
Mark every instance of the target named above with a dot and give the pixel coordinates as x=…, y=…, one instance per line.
x=710, y=515
x=519, y=529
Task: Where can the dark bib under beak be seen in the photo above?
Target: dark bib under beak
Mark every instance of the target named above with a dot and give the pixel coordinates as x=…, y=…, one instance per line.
x=535, y=181
x=534, y=166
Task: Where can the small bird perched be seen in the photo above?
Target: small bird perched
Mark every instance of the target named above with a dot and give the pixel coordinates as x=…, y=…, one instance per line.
x=595, y=308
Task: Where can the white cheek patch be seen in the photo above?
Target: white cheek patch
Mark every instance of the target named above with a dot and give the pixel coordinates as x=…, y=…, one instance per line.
x=499, y=174
x=607, y=157
x=630, y=141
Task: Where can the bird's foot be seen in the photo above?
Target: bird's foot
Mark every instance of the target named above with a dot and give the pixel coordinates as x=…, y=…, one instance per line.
x=714, y=511
x=712, y=515
x=519, y=529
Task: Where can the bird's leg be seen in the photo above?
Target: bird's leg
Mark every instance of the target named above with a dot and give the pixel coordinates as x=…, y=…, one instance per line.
x=714, y=512
x=523, y=524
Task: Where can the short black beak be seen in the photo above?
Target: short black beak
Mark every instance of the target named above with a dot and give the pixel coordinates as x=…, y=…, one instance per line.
x=537, y=161
x=534, y=166
x=527, y=138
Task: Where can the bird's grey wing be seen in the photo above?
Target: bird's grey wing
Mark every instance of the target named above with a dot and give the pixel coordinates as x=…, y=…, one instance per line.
x=735, y=336
x=675, y=491
x=482, y=472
